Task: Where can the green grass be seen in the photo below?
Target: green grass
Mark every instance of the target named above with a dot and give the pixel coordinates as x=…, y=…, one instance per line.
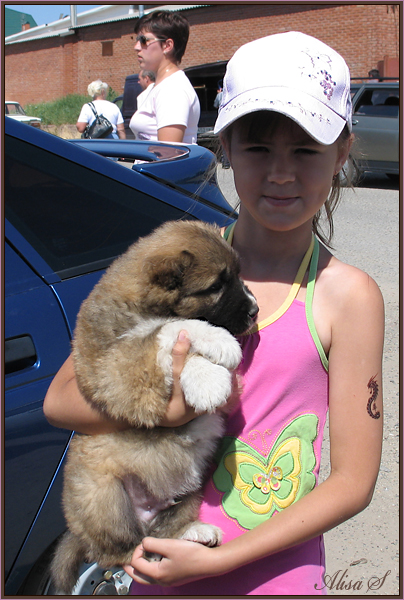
x=62, y=111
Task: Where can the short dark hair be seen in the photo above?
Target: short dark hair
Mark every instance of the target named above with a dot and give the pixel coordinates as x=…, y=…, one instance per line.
x=167, y=24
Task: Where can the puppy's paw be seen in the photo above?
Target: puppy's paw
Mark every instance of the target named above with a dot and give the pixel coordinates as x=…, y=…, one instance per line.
x=216, y=344
x=203, y=533
x=206, y=386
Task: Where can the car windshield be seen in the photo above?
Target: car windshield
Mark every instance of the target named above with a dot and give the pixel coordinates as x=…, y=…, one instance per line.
x=14, y=109
x=77, y=219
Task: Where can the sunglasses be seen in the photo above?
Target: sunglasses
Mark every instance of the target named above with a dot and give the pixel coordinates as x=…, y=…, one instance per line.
x=145, y=42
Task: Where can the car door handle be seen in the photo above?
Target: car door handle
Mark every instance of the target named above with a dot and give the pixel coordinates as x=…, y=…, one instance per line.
x=355, y=121
x=19, y=353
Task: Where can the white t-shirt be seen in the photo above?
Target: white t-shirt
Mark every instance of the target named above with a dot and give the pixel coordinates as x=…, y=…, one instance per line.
x=103, y=107
x=143, y=95
x=172, y=102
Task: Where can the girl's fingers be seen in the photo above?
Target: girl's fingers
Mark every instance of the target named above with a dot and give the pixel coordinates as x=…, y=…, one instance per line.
x=143, y=570
x=138, y=577
x=180, y=352
x=140, y=574
x=178, y=411
x=156, y=545
x=179, y=355
x=182, y=561
x=154, y=572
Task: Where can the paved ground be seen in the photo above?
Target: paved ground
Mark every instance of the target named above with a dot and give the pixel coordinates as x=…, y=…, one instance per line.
x=364, y=552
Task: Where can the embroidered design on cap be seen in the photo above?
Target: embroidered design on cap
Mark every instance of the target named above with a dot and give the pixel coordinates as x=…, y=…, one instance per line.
x=327, y=81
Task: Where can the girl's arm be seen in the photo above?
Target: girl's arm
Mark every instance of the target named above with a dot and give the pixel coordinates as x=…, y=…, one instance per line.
x=65, y=407
x=355, y=436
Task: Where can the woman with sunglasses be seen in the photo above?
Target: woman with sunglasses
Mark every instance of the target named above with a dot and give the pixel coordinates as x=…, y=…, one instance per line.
x=171, y=110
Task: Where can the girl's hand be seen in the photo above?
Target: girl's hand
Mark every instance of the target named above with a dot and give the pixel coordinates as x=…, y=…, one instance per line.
x=182, y=562
x=178, y=412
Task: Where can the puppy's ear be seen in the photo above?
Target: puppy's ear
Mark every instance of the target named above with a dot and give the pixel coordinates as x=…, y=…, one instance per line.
x=168, y=271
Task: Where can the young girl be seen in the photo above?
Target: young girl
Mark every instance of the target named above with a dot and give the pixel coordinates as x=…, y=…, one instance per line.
x=317, y=345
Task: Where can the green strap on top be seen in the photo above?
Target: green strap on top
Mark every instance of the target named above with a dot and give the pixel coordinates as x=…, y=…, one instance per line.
x=309, y=304
x=228, y=233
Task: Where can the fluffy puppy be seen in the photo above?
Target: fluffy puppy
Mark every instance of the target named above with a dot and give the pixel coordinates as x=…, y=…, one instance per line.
x=146, y=480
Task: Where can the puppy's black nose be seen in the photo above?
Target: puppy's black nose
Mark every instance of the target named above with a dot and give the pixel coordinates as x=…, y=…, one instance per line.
x=253, y=311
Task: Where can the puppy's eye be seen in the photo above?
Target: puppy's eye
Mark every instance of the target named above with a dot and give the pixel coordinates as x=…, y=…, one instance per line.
x=216, y=287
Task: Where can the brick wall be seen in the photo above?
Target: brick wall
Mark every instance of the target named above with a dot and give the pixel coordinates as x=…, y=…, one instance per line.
x=43, y=70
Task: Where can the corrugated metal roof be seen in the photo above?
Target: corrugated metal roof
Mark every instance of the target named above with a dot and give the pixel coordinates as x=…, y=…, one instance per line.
x=135, y=15
x=106, y=13
x=37, y=33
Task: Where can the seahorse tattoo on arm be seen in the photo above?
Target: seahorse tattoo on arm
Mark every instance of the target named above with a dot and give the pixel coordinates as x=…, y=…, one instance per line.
x=374, y=389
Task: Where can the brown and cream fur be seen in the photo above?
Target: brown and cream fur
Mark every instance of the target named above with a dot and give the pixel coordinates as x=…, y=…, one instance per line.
x=146, y=480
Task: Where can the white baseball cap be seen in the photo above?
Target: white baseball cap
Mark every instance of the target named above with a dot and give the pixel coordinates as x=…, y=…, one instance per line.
x=290, y=73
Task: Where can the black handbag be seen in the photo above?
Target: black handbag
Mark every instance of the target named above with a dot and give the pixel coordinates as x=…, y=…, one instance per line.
x=99, y=128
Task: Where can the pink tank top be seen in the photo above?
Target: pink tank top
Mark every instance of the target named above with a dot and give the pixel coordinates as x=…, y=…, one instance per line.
x=270, y=455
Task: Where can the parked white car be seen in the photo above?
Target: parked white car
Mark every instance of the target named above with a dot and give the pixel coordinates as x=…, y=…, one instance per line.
x=16, y=111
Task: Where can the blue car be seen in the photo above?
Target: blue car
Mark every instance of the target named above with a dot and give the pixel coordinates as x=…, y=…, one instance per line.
x=69, y=211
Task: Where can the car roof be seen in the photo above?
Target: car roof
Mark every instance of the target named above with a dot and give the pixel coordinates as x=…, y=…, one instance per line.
x=376, y=84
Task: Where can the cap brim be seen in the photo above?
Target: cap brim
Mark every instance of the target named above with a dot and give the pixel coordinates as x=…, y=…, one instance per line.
x=319, y=121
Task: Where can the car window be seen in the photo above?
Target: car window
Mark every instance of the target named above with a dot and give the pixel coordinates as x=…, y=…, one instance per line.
x=14, y=109
x=78, y=220
x=380, y=102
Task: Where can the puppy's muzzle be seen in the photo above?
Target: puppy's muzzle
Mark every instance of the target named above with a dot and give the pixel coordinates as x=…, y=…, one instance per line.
x=254, y=306
x=253, y=310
